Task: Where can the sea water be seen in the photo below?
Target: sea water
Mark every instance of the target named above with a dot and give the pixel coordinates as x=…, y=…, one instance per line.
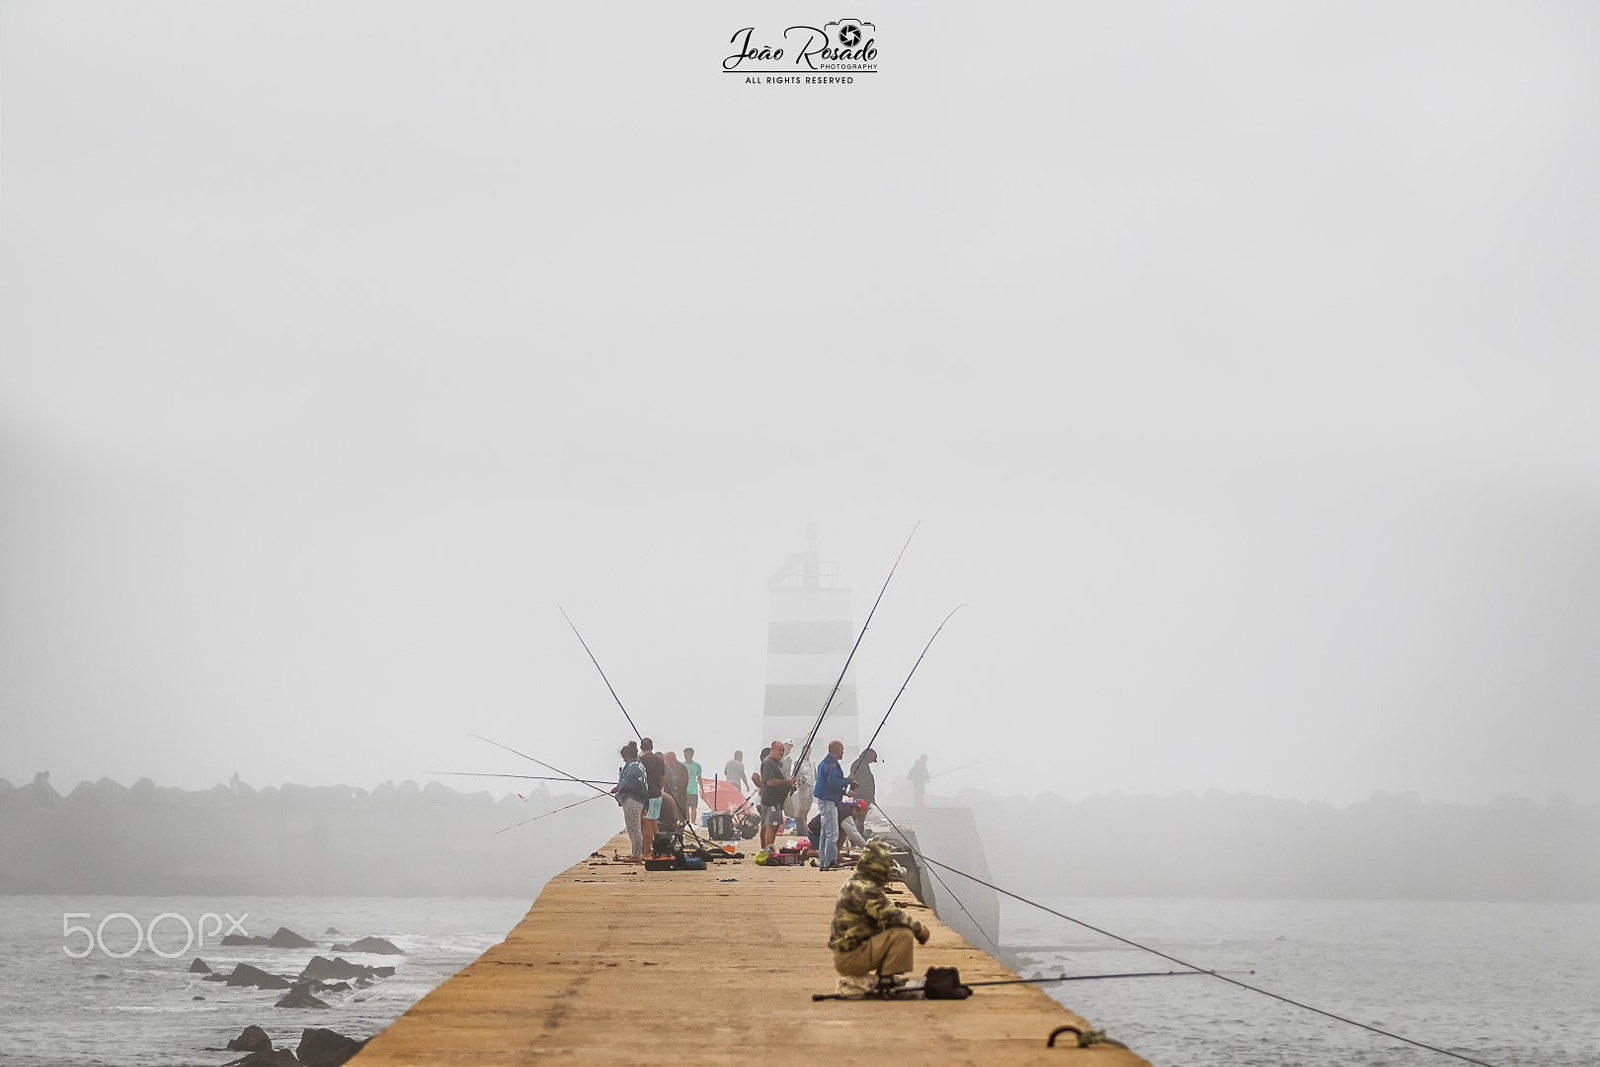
x=1505, y=983
x=1515, y=985
x=147, y=1011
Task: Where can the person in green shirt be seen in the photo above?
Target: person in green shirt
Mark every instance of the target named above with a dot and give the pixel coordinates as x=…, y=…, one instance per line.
x=695, y=773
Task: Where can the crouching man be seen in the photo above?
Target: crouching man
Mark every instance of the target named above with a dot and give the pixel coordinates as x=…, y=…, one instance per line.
x=871, y=936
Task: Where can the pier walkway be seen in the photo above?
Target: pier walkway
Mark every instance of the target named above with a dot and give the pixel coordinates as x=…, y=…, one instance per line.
x=614, y=964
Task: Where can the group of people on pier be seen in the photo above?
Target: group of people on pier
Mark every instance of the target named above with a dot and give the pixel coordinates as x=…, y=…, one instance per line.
x=658, y=792
x=871, y=937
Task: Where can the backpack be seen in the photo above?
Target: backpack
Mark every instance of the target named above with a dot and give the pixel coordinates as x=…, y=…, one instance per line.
x=944, y=983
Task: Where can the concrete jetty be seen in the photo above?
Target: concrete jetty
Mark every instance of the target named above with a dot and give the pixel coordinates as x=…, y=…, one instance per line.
x=615, y=964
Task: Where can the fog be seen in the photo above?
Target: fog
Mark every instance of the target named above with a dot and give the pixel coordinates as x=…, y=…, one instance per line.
x=1237, y=362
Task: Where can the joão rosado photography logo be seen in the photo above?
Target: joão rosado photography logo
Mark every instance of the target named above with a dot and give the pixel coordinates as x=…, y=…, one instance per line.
x=832, y=54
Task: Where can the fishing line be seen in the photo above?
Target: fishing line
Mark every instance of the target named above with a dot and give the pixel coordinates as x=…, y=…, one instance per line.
x=557, y=811
x=940, y=878
x=1216, y=974
x=596, y=663
x=528, y=777
x=811, y=737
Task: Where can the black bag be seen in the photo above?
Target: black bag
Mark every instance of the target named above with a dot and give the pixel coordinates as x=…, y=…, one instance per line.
x=944, y=983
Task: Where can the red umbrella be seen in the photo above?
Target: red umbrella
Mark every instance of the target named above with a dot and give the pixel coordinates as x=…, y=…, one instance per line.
x=727, y=796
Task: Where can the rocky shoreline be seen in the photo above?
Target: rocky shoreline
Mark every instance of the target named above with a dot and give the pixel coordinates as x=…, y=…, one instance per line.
x=317, y=1046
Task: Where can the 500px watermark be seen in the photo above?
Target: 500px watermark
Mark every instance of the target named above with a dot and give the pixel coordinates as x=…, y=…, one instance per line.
x=144, y=934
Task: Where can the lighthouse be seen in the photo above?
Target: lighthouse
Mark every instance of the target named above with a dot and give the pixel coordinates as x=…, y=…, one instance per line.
x=808, y=641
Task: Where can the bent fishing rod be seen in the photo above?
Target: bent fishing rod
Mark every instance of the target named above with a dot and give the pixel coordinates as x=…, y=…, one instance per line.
x=637, y=735
x=909, y=673
x=964, y=766
x=816, y=726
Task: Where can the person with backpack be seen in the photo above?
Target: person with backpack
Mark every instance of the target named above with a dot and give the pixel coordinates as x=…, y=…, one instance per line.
x=632, y=794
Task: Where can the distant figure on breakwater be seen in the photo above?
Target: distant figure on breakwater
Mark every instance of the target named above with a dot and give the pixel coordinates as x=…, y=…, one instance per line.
x=871, y=936
x=919, y=778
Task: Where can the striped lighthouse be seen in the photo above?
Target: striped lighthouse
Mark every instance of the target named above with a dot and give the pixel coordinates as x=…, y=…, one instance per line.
x=808, y=642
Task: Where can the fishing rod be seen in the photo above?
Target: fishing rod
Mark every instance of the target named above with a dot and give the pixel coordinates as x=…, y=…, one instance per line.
x=527, y=777
x=835, y=690
x=1223, y=975
x=1061, y=978
x=1096, y=977
x=909, y=673
x=542, y=763
x=557, y=811
x=597, y=667
x=964, y=766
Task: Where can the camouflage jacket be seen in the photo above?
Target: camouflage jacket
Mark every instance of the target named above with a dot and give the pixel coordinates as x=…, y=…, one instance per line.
x=864, y=910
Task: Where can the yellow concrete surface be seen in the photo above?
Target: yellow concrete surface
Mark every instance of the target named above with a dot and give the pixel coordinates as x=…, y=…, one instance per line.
x=614, y=964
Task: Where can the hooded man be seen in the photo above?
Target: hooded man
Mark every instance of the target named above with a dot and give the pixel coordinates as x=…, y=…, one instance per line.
x=863, y=786
x=871, y=936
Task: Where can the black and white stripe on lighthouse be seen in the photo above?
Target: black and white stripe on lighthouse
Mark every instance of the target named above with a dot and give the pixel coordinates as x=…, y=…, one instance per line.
x=808, y=640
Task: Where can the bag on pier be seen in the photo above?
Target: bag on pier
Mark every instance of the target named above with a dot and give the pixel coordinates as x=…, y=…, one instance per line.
x=944, y=983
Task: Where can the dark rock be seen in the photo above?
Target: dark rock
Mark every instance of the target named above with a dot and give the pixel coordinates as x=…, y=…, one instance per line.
x=334, y=987
x=362, y=983
x=325, y=1048
x=321, y=967
x=246, y=975
x=371, y=944
x=241, y=940
x=214, y=977
x=280, y=1057
x=199, y=966
x=332, y=931
x=300, y=997
x=197, y=998
x=251, y=1039
x=287, y=938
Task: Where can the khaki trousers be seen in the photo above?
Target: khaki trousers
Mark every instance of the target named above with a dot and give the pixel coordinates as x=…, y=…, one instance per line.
x=887, y=953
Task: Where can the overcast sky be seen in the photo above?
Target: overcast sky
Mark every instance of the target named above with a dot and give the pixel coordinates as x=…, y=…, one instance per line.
x=1239, y=361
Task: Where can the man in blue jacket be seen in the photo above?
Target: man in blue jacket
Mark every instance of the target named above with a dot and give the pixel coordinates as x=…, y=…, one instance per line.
x=831, y=781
